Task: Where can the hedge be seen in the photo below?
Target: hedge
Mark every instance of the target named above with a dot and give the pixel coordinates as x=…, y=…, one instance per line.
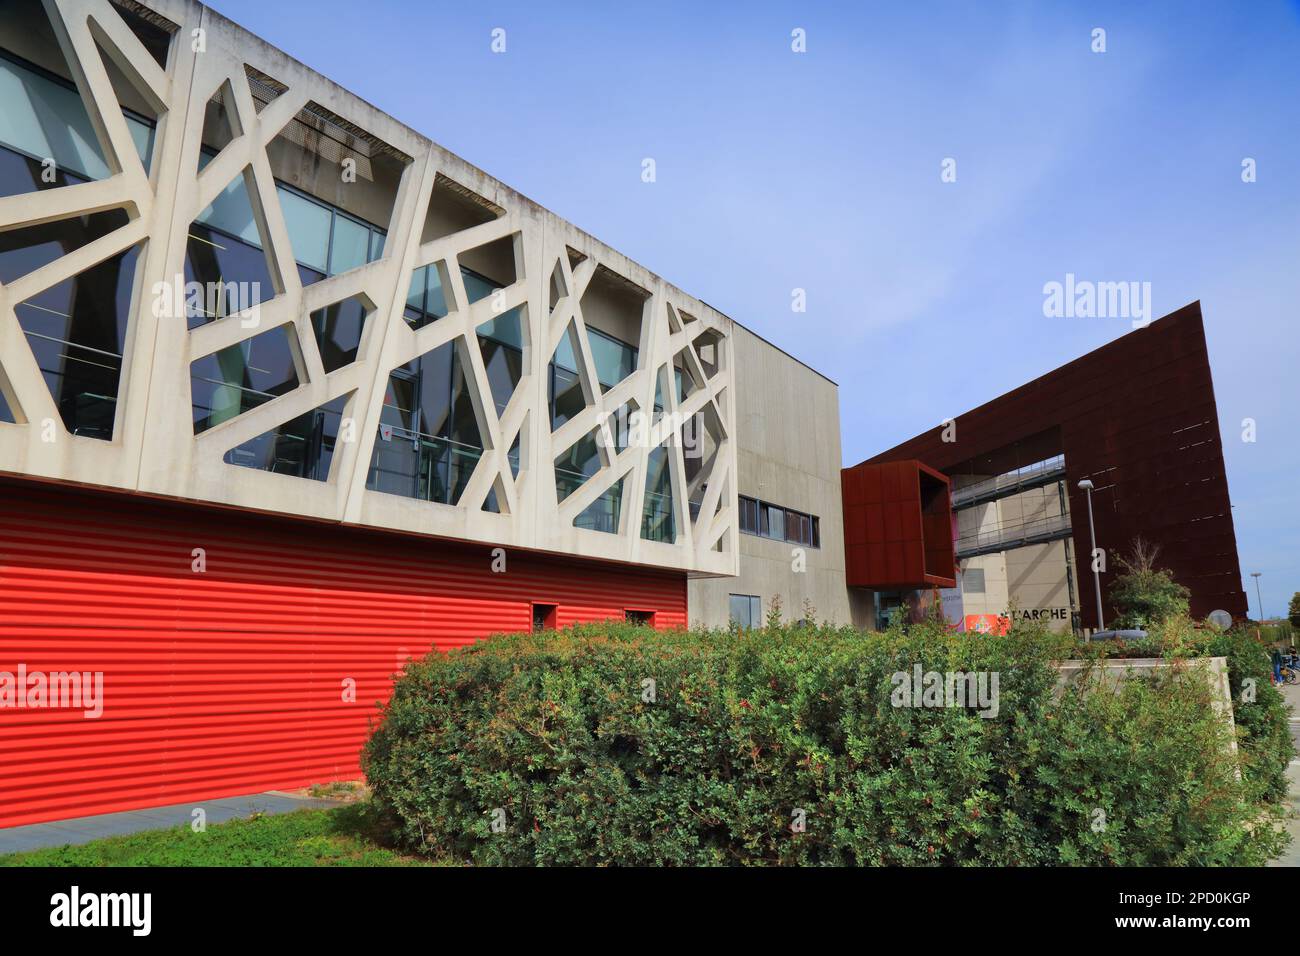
x=1259, y=709
x=612, y=744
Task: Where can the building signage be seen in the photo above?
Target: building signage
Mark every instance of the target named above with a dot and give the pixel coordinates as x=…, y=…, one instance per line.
x=1000, y=623
x=1038, y=614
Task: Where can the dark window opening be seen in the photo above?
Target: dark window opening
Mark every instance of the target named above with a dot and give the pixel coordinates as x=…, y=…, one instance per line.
x=780, y=524
x=77, y=332
x=639, y=618
x=544, y=617
x=240, y=377
x=338, y=329
x=302, y=447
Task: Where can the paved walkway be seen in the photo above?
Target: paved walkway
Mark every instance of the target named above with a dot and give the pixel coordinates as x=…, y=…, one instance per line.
x=36, y=836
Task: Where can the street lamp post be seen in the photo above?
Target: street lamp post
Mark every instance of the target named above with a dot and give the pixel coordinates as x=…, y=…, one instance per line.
x=1086, y=485
x=1260, y=600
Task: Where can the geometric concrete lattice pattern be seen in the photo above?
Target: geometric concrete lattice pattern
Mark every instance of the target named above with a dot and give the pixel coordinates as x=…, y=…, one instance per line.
x=683, y=366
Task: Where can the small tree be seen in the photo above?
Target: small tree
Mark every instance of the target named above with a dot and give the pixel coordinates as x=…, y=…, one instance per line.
x=1293, y=612
x=774, y=611
x=1142, y=593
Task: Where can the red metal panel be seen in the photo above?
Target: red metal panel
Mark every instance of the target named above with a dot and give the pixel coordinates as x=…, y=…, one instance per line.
x=896, y=537
x=232, y=681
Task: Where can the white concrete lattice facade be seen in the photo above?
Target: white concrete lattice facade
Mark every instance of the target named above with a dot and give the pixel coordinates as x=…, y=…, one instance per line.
x=154, y=449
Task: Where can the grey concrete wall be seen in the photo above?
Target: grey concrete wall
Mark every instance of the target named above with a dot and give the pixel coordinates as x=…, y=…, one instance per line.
x=788, y=453
x=1035, y=579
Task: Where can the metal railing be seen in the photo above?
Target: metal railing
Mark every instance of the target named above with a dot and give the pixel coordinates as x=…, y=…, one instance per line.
x=1004, y=485
x=657, y=522
x=1006, y=537
x=418, y=465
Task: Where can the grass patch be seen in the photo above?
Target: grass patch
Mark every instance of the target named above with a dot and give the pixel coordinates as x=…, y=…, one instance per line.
x=340, y=836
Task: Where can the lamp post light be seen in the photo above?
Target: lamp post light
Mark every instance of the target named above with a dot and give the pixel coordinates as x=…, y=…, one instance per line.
x=1086, y=486
x=1260, y=600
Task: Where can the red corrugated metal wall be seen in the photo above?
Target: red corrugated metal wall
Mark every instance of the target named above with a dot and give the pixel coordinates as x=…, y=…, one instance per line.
x=231, y=681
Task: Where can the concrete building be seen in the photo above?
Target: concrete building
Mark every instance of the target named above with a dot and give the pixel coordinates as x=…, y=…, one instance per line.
x=289, y=394
x=788, y=467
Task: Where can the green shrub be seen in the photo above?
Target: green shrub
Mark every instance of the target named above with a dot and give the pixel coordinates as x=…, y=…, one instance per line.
x=1143, y=594
x=1260, y=713
x=561, y=738
x=1263, y=734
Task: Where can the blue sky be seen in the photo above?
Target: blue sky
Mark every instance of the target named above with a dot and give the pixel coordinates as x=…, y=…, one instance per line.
x=820, y=171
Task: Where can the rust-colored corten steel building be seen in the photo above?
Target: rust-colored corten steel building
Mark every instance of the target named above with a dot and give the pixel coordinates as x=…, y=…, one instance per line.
x=897, y=526
x=1137, y=417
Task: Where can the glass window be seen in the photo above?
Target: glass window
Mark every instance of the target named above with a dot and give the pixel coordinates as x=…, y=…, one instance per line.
x=426, y=301
x=657, y=516
x=745, y=610
x=395, y=463
x=770, y=521
x=338, y=329
x=798, y=529
x=614, y=360
x=232, y=212
x=142, y=135
x=29, y=248
x=463, y=428
x=232, y=275
x=22, y=174
x=46, y=119
x=77, y=328
x=564, y=354
x=477, y=286
x=567, y=399
x=775, y=524
x=506, y=328
x=436, y=298
x=302, y=447
x=576, y=465
x=414, y=313
x=350, y=245
x=429, y=442
x=309, y=229
x=504, y=366
x=229, y=382
x=602, y=514
x=434, y=393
